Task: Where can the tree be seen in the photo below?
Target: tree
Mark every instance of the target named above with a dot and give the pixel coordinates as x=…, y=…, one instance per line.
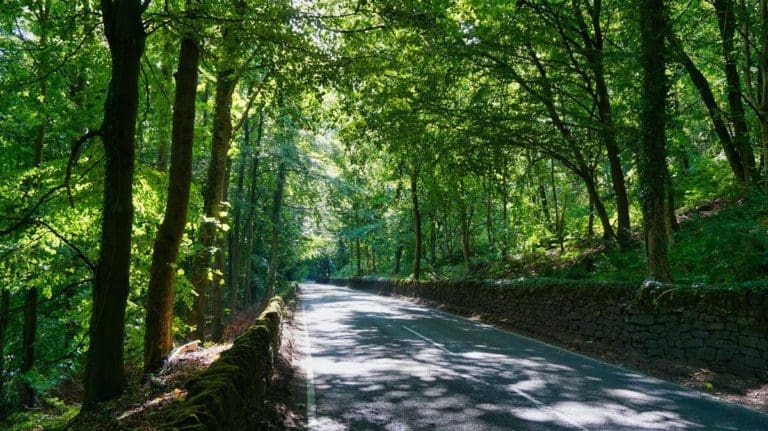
x=124, y=30
x=158, y=338
x=213, y=194
x=416, y=267
x=653, y=165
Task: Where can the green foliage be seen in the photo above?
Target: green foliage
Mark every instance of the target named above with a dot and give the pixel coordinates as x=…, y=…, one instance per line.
x=55, y=417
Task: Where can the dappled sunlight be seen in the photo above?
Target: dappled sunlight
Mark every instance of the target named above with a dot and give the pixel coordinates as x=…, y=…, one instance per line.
x=380, y=363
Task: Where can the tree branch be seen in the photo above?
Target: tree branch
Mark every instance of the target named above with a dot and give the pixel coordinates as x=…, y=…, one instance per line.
x=73, y=157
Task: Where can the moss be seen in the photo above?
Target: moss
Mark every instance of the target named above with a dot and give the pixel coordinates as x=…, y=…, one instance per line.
x=234, y=386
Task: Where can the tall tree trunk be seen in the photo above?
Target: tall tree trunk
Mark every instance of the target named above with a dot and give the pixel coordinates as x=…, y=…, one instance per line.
x=489, y=210
x=432, y=239
x=27, y=394
x=591, y=221
x=217, y=324
x=726, y=19
x=252, y=195
x=544, y=202
x=359, y=259
x=653, y=166
x=29, y=330
x=158, y=335
x=161, y=164
x=277, y=208
x=416, y=268
x=5, y=304
x=219, y=279
x=398, y=258
x=235, y=238
x=608, y=131
x=594, y=53
x=235, y=242
x=594, y=196
x=104, y=374
x=504, y=211
x=715, y=114
x=202, y=261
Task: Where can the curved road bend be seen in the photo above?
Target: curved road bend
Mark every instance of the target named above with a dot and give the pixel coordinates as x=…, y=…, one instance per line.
x=377, y=363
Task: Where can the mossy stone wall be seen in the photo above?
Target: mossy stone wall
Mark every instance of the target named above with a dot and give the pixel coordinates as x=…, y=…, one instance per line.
x=230, y=394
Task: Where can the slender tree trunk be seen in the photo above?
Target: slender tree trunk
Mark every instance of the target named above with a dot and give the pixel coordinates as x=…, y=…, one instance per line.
x=544, y=202
x=277, y=208
x=608, y=130
x=489, y=211
x=591, y=221
x=219, y=279
x=726, y=19
x=202, y=261
x=673, y=224
x=249, y=220
x=432, y=240
x=398, y=258
x=217, y=325
x=359, y=259
x=465, y=222
x=235, y=237
x=27, y=394
x=653, y=172
x=29, y=330
x=5, y=303
x=373, y=259
x=163, y=147
x=158, y=335
x=104, y=374
x=715, y=114
x=416, y=268
x=594, y=196
x=559, y=225
x=235, y=244
x=504, y=213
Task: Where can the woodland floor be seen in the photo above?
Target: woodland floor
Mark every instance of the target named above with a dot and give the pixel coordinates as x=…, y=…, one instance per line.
x=144, y=406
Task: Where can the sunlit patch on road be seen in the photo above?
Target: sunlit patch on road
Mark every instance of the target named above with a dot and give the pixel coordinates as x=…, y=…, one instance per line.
x=383, y=364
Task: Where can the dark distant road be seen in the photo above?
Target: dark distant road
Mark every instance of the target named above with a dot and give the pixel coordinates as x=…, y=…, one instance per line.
x=377, y=363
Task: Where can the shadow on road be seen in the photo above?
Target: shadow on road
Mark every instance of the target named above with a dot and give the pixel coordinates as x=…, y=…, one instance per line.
x=384, y=364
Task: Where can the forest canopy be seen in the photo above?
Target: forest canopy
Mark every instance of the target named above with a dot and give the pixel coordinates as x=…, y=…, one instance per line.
x=166, y=164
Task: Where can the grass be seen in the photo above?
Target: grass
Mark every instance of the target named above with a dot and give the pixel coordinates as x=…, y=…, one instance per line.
x=54, y=417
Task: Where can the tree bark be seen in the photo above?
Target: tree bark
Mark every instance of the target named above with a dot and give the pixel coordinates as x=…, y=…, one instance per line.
x=715, y=114
x=202, y=261
x=398, y=258
x=217, y=325
x=235, y=237
x=104, y=373
x=277, y=208
x=653, y=166
x=27, y=394
x=5, y=303
x=359, y=259
x=158, y=335
x=594, y=195
x=594, y=51
x=416, y=268
x=163, y=137
x=252, y=195
x=726, y=19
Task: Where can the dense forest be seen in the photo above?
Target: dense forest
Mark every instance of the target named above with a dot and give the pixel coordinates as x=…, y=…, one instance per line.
x=165, y=164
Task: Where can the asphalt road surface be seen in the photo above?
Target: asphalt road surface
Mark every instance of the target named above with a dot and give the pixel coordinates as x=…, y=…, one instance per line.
x=378, y=363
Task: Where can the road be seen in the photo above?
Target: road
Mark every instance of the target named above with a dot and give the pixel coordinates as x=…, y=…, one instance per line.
x=378, y=363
